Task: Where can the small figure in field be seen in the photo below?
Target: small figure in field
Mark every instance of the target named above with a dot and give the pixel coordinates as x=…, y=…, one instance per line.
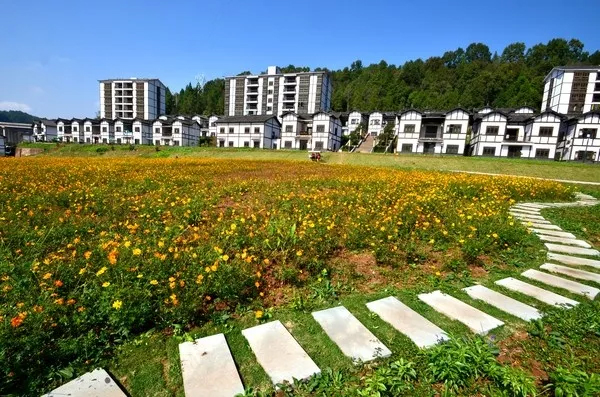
x=315, y=156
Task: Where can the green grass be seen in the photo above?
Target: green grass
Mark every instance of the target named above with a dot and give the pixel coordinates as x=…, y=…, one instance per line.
x=530, y=167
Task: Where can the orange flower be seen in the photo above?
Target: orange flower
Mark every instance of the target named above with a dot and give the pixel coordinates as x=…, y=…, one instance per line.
x=58, y=283
x=16, y=321
x=112, y=257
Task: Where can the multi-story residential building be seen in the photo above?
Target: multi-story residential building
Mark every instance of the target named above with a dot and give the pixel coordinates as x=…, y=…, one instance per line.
x=319, y=131
x=572, y=89
x=542, y=131
x=128, y=99
x=44, y=130
x=580, y=138
x=274, y=93
x=212, y=125
x=326, y=132
x=175, y=131
x=256, y=131
x=432, y=132
x=354, y=120
x=296, y=131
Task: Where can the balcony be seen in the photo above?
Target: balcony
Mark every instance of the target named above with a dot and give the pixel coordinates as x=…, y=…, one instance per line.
x=304, y=133
x=289, y=82
x=251, y=82
x=252, y=99
x=288, y=99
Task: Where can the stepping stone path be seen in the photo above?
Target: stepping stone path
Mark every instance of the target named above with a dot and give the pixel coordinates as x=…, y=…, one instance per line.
x=538, y=293
x=503, y=302
x=208, y=368
x=559, y=282
x=92, y=384
x=420, y=330
x=562, y=240
x=276, y=350
x=351, y=336
x=477, y=321
x=565, y=249
x=569, y=271
x=573, y=260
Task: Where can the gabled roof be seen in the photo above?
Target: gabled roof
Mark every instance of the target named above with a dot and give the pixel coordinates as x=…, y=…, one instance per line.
x=410, y=110
x=458, y=108
x=547, y=111
x=581, y=116
x=251, y=118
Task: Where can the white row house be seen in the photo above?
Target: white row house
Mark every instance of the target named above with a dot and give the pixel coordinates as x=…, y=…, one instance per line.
x=316, y=132
x=251, y=131
x=354, y=120
x=580, y=139
x=378, y=121
x=175, y=131
x=44, y=130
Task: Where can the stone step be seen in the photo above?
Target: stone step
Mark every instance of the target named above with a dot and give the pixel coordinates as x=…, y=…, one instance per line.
x=538, y=293
x=559, y=282
x=553, y=233
x=410, y=323
x=573, y=260
x=534, y=206
x=581, y=196
x=528, y=217
x=569, y=271
x=503, y=302
x=95, y=383
x=477, y=321
x=276, y=350
x=351, y=336
x=208, y=369
x=524, y=212
x=566, y=249
x=563, y=240
x=538, y=225
x=532, y=220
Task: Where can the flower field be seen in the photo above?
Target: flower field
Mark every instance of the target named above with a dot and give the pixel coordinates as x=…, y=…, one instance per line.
x=95, y=251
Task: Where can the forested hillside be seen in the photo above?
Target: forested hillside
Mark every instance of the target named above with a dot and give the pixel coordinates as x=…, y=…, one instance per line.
x=471, y=77
x=16, y=116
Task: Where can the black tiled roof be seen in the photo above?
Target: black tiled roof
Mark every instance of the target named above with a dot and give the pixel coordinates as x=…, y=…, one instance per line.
x=251, y=118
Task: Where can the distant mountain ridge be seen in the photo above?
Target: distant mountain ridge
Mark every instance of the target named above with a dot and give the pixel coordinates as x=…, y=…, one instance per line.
x=16, y=116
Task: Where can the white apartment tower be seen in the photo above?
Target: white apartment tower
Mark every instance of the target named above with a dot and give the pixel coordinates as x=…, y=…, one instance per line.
x=572, y=90
x=274, y=93
x=132, y=98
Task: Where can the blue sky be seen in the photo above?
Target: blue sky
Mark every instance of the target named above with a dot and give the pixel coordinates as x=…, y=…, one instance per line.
x=53, y=52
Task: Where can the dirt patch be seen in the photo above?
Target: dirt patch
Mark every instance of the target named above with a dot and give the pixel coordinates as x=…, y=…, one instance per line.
x=513, y=354
x=358, y=268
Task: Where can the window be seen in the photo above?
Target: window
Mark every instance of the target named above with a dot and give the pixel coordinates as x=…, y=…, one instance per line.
x=452, y=149
x=88, y=140
x=270, y=100
x=270, y=92
x=246, y=144
x=407, y=147
x=118, y=129
x=221, y=143
x=176, y=131
x=230, y=143
x=288, y=144
x=410, y=128
x=492, y=130
x=257, y=130
x=354, y=121
x=489, y=151
x=60, y=129
x=87, y=129
x=157, y=142
x=222, y=130
x=104, y=129
x=231, y=130
x=74, y=128
x=103, y=140
x=256, y=144
x=269, y=109
x=157, y=130
x=136, y=129
x=597, y=87
x=246, y=130
x=320, y=128
x=289, y=128
x=596, y=98
x=118, y=141
x=175, y=143
x=588, y=133
x=75, y=139
x=546, y=131
x=319, y=145
x=137, y=141
x=375, y=122
x=542, y=153
x=454, y=128
x=270, y=83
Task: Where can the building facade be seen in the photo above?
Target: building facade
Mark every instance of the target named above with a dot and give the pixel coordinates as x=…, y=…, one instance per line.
x=251, y=131
x=572, y=90
x=133, y=98
x=274, y=93
x=580, y=139
x=44, y=130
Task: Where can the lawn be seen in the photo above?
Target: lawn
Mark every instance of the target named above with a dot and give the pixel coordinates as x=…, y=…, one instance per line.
x=525, y=167
x=113, y=260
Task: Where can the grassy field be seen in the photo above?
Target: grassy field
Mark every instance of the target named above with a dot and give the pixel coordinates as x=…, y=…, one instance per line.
x=112, y=260
x=535, y=168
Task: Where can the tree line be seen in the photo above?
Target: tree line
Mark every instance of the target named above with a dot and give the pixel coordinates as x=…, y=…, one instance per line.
x=471, y=77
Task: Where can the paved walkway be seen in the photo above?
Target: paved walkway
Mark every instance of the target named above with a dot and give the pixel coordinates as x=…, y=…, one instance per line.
x=208, y=367
x=525, y=176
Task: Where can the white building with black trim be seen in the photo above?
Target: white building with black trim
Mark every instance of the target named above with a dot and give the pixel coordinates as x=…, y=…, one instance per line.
x=580, y=139
x=44, y=130
x=251, y=131
x=572, y=90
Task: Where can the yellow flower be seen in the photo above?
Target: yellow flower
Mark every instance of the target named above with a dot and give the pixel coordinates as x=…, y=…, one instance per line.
x=87, y=255
x=127, y=244
x=47, y=276
x=495, y=235
x=82, y=270
x=117, y=304
x=225, y=257
x=438, y=273
x=154, y=282
x=299, y=253
x=258, y=314
x=213, y=268
x=233, y=226
x=105, y=284
x=137, y=251
x=101, y=271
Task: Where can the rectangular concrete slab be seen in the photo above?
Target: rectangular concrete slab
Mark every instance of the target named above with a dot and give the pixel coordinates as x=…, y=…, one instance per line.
x=208, y=368
x=97, y=383
x=567, y=249
x=531, y=206
x=276, y=350
x=559, y=282
x=420, y=330
x=573, y=260
x=351, y=336
x=569, y=271
x=503, y=302
x=553, y=233
x=477, y=321
x=533, y=218
x=538, y=293
x=565, y=241
x=538, y=225
x=524, y=211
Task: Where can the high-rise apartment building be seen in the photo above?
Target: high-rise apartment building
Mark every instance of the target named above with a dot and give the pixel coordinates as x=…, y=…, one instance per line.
x=132, y=98
x=275, y=93
x=572, y=89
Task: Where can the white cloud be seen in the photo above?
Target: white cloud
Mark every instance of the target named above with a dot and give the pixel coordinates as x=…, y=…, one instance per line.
x=5, y=105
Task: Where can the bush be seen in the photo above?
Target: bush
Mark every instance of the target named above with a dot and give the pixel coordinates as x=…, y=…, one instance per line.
x=102, y=150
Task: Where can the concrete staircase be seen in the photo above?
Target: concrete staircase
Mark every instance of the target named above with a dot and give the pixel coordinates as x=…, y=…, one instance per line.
x=366, y=146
